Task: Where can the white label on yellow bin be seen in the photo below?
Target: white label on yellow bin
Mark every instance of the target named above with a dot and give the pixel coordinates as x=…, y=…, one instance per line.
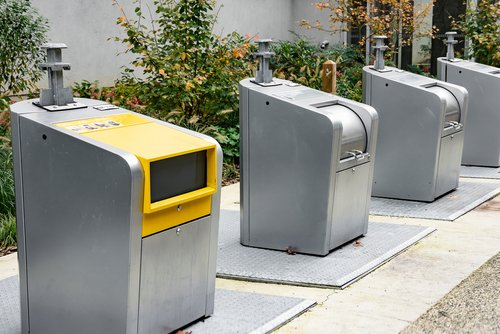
x=90, y=125
x=102, y=123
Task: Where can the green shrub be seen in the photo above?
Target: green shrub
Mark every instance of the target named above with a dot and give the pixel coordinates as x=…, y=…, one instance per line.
x=229, y=139
x=298, y=61
x=187, y=69
x=4, y=103
x=124, y=94
x=7, y=230
x=87, y=89
x=302, y=62
x=230, y=173
x=22, y=32
x=482, y=26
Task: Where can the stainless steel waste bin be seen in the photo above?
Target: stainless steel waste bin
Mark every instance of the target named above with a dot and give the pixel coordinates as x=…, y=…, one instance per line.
x=306, y=166
x=482, y=135
x=420, y=140
x=117, y=216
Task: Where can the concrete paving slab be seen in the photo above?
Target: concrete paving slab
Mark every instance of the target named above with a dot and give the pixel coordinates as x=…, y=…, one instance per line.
x=480, y=172
x=449, y=207
x=235, y=311
x=398, y=292
x=472, y=307
x=247, y=312
x=338, y=269
x=10, y=308
x=8, y=265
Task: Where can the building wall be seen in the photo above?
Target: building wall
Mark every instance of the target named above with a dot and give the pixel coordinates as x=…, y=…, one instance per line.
x=265, y=18
x=85, y=27
x=304, y=10
x=89, y=26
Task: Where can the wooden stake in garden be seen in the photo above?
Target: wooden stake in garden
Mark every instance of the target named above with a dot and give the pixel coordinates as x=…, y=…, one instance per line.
x=329, y=76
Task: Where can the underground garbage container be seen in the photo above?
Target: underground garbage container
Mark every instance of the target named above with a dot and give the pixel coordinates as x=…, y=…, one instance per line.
x=117, y=216
x=306, y=165
x=482, y=135
x=420, y=141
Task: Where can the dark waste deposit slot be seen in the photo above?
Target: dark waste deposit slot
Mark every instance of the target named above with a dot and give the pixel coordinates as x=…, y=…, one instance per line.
x=178, y=175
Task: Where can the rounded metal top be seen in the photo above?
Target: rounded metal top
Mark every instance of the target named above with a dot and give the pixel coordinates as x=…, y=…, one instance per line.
x=54, y=46
x=452, y=112
x=354, y=136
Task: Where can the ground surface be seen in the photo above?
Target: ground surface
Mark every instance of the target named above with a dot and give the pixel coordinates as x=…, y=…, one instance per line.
x=409, y=287
x=472, y=307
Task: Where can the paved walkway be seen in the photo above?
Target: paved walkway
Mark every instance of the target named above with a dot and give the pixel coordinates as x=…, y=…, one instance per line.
x=472, y=307
x=396, y=294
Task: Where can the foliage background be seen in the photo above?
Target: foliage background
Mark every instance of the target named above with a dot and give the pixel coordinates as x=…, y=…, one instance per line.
x=400, y=20
x=22, y=32
x=482, y=26
x=301, y=61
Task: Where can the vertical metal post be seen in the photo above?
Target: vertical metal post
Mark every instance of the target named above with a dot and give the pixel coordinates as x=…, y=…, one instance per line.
x=379, y=52
x=56, y=94
x=450, y=42
x=264, y=74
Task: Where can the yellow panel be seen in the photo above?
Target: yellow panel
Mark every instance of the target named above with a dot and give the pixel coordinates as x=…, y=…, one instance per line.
x=167, y=143
x=150, y=141
x=158, y=221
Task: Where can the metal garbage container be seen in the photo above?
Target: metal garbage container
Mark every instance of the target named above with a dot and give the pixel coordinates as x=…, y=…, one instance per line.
x=482, y=135
x=306, y=163
x=420, y=140
x=117, y=216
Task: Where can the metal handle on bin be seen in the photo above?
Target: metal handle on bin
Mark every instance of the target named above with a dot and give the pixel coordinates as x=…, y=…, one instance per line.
x=454, y=124
x=358, y=155
x=352, y=154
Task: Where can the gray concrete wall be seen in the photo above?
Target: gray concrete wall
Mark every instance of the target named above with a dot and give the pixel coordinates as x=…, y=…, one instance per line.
x=87, y=25
x=304, y=10
x=265, y=18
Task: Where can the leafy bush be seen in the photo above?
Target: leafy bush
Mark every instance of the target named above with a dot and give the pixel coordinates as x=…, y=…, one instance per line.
x=22, y=32
x=230, y=173
x=229, y=139
x=87, y=89
x=482, y=26
x=302, y=62
x=7, y=230
x=187, y=69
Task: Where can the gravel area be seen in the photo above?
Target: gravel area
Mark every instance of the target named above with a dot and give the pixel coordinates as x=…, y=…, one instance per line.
x=471, y=307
